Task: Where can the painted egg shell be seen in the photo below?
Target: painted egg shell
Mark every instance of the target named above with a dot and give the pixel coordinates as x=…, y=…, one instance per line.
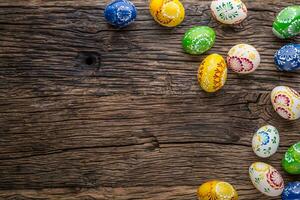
x=243, y=58
x=229, y=11
x=217, y=190
x=286, y=102
x=265, y=141
x=291, y=191
x=287, y=58
x=266, y=179
x=120, y=13
x=291, y=160
x=212, y=73
x=198, y=40
x=287, y=22
x=168, y=13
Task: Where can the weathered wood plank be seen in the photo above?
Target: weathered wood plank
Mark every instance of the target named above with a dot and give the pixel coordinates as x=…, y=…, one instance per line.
x=44, y=42
x=135, y=165
x=78, y=121
x=119, y=114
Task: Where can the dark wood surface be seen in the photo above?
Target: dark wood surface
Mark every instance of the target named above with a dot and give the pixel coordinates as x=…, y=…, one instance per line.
x=90, y=112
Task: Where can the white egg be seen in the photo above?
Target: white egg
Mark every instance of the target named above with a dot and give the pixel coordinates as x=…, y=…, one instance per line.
x=243, y=58
x=228, y=11
x=265, y=141
x=286, y=102
x=266, y=179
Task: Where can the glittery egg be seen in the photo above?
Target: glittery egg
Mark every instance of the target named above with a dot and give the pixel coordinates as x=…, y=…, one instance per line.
x=286, y=102
x=266, y=179
x=291, y=191
x=168, y=13
x=287, y=58
x=291, y=159
x=120, y=13
x=287, y=22
x=229, y=11
x=265, y=141
x=243, y=59
x=198, y=40
x=217, y=190
x=212, y=73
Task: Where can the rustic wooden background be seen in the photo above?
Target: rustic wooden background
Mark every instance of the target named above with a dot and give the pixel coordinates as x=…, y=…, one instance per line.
x=90, y=112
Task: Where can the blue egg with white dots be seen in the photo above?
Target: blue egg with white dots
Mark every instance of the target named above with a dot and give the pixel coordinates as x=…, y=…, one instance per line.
x=120, y=13
x=287, y=58
x=291, y=191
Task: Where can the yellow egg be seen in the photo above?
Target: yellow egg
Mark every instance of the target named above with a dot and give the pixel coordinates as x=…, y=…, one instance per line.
x=212, y=73
x=168, y=13
x=217, y=190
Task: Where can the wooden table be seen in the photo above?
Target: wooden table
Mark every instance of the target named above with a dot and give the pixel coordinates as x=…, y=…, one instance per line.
x=91, y=112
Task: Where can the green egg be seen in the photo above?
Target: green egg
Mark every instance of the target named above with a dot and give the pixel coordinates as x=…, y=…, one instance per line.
x=198, y=40
x=287, y=22
x=291, y=160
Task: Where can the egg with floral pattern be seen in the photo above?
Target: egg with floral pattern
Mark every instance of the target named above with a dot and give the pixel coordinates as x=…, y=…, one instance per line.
x=212, y=73
x=168, y=13
x=243, y=59
x=291, y=191
x=286, y=102
x=229, y=11
x=266, y=179
x=287, y=58
x=287, y=22
x=265, y=141
x=198, y=40
x=120, y=13
x=291, y=159
x=217, y=190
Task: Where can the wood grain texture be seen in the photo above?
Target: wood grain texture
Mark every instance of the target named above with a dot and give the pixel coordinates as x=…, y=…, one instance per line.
x=90, y=112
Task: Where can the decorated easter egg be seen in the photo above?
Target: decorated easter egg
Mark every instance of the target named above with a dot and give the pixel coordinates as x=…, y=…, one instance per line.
x=228, y=11
x=120, y=13
x=287, y=22
x=265, y=141
x=243, y=59
x=286, y=102
x=212, y=73
x=291, y=160
x=198, y=40
x=291, y=191
x=217, y=190
x=168, y=13
x=266, y=179
x=287, y=58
